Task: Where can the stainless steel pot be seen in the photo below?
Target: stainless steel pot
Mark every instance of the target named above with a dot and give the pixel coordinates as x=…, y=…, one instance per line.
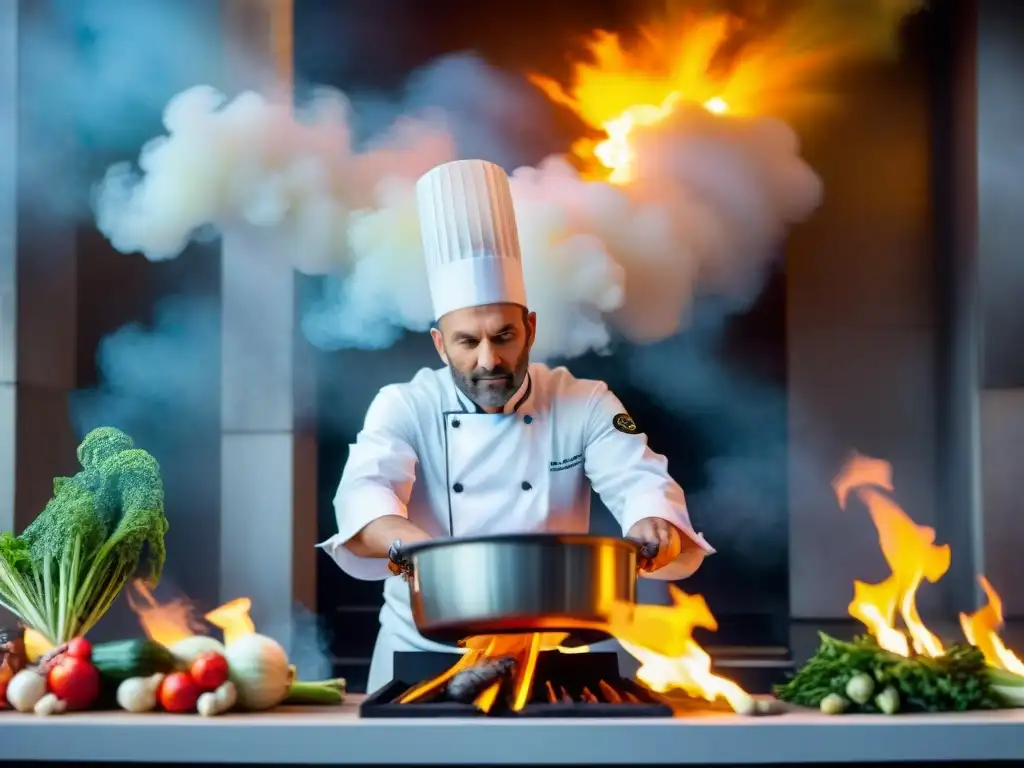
x=519, y=583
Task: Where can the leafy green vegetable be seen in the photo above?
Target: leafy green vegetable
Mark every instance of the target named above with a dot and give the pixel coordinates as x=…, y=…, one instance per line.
x=957, y=681
x=62, y=574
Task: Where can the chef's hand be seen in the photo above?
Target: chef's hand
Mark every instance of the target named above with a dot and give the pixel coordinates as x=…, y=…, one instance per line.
x=653, y=531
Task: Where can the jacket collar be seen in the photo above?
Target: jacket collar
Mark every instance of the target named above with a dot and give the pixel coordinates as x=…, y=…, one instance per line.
x=514, y=404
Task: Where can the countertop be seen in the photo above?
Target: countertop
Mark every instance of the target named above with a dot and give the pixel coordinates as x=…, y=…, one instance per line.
x=338, y=736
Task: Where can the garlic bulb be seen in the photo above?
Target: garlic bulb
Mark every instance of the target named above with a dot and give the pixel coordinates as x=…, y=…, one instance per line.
x=260, y=671
x=26, y=689
x=138, y=694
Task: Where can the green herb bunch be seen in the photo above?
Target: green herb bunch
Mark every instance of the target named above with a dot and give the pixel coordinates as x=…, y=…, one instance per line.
x=860, y=676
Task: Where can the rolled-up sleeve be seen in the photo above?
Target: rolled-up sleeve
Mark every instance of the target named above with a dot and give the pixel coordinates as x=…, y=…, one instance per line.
x=633, y=481
x=377, y=481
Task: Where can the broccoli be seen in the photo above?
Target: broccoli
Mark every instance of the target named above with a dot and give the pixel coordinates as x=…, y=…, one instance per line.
x=100, y=444
x=66, y=569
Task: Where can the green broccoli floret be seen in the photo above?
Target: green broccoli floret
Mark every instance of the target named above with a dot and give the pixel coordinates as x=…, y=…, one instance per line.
x=131, y=482
x=67, y=568
x=100, y=444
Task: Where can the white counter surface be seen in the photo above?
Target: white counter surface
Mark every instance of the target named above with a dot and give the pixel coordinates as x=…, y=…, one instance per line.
x=339, y=736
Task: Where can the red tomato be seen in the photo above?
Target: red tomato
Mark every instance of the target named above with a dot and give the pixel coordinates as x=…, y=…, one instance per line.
x=75, y=681
x=209, y=671
x=80, y=648
x=3, y=695
x=179, y=693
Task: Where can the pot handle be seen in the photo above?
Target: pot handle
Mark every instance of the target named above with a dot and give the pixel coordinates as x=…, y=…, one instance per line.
x=647, y=551
x=398, y=563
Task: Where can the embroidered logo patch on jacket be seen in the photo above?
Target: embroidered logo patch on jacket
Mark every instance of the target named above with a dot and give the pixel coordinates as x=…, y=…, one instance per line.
x=624, y=423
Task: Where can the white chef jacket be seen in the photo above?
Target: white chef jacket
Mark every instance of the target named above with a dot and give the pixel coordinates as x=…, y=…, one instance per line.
x=426, y=452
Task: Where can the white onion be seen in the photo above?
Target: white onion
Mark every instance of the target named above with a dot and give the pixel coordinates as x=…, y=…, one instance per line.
x=260, y=671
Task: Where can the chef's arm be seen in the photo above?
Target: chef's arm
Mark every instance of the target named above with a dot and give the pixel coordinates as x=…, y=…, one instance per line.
x=373, y=495
x=376, y=538
x=633, y=481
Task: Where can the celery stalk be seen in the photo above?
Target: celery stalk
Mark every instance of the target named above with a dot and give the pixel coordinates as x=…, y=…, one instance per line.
x=1012, y=696
x=324, y=692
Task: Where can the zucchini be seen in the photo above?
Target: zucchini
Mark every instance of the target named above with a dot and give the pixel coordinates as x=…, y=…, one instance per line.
x=123, y=659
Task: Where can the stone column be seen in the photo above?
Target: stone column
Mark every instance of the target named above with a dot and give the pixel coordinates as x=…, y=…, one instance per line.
x=268, y=458
x=986, y=371
x=37, y=282
x=955, y=191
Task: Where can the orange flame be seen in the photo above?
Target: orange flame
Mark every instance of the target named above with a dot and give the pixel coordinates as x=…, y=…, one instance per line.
x=760, y=63
x=525, y=648
x=170, y=622
x=913, y=557
x=164, y=623
x=910, y=553
x=677, y=664
x=233, y=619
x=622, y=90
x=981, y=629
x=661, y=639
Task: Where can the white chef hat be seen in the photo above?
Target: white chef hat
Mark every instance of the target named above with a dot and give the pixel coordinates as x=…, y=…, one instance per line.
x=468, y=225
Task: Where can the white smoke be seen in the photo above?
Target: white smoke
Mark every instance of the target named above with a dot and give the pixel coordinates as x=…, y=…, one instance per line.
x=711, y=202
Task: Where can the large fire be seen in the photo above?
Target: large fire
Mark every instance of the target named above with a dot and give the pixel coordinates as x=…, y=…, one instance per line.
x=766, y=59
x=660, y=637
x=913, y=558
x=622, y=91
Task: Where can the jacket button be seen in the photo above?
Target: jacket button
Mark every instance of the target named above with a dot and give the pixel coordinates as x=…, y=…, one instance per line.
x=527, y=419
x=526, y=486
x=455, y=423
x=457, y=487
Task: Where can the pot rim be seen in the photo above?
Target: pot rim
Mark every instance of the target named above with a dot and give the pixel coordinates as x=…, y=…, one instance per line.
x=523, y=538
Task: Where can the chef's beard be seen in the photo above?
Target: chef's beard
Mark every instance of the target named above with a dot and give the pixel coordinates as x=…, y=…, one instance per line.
x=492, y=394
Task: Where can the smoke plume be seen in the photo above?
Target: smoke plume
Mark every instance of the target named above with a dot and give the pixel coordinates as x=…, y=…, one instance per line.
x=710, y=205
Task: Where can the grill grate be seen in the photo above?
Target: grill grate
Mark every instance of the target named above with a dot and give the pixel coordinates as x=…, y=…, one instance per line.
x=565, y=685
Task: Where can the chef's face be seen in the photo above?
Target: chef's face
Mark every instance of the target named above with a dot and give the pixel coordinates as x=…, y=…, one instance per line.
x=488, y=350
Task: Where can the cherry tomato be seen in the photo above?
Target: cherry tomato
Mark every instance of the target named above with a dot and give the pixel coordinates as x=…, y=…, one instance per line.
x=209, y=671
x=75, y=681
x=80, y=648
x=179, y=693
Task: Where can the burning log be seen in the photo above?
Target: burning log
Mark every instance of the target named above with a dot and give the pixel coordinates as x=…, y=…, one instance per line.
x=467, y=684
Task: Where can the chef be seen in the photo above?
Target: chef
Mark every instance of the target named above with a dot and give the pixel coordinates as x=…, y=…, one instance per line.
x=491, y=443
